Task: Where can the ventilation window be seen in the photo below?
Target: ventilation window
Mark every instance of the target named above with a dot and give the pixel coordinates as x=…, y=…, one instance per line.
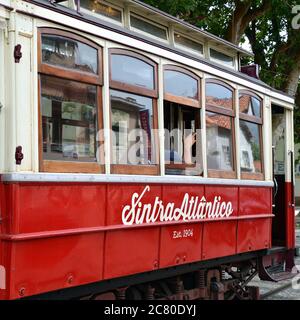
x=221, y=57
x=186, y=43
x=151, y=29
x=102, y=9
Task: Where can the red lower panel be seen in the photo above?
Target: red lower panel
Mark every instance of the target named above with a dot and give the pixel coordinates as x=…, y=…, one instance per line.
x=290, y=216
x=180, y=244
x=131, y=251
x=253, y=235
x=219, y=239
x=60, y=206
x=255, y=200
x=44, y=265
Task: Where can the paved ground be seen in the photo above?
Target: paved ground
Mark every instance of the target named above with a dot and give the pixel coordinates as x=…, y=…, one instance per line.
x=266, y=286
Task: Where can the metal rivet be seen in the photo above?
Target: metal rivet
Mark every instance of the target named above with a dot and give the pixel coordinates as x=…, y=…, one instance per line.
x=70, y=279
x=22, y=292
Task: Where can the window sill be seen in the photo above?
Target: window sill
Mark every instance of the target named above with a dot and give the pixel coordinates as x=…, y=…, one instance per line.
x=70, y=167
x=222, y=174
x=135, y=169
x=252, y=176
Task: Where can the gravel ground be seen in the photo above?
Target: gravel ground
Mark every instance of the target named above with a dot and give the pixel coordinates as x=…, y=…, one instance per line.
x=288, y=294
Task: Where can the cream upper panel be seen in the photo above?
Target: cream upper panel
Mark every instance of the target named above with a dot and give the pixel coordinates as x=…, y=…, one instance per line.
x=94, y=30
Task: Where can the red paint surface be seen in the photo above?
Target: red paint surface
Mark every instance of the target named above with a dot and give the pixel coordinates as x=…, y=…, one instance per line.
x=56, y=256
x=290, y=216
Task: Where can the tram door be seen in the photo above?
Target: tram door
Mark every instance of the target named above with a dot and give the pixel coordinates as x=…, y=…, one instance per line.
x=279, y=175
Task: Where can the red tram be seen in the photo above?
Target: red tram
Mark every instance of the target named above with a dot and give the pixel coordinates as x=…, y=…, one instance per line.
x=136, y=158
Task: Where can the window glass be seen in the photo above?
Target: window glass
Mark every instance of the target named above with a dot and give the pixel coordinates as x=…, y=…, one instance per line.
x=68, y=53
x=182, y=140
x=278, y=139
x=250, y=147
x=218, y=96
x=250, y=105
x=132, y=71
x=103, y=9
x=180, y=84
x=188, y=43
x=224, y=58
x=69, y=120
x=148, y=27
x=132, y=123
x=219, y=141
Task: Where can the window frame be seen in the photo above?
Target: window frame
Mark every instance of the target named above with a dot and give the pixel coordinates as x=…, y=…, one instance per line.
x=183, y=101
x=258, y=121
x=153, y=94
x=196, y=103
x=58, y=166
x=218, y=173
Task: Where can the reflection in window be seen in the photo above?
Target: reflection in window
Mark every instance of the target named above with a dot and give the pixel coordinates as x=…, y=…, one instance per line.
x=250, y=105
x=69, y=113
x=219, y=56
x=68, y=53
x=278, y=139
x=188, y=43
x=182, y=140
x=218, y=96
x=103, y=9
x=132, y=123
x=250, y=147
x=180, y=84
x=219, y=141
x=132, y=71
x=148, y=27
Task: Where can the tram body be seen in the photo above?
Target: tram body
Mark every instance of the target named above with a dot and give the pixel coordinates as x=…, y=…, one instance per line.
x=77, y=222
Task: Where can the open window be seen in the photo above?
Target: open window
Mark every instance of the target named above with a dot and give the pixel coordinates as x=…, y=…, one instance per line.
x=133, y=104
x=220, y=129
x=70, y=80
x=183, y=152
x=251, y=151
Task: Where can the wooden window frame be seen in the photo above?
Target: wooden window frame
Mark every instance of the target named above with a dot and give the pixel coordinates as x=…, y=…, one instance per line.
x=216, y=173
x=196, y=103
x=153, y=94
x=259, y=122
x=58, y=166
x=188, y=102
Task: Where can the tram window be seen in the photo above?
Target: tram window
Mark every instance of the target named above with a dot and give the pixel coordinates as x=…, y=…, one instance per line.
x=183, y=150
x=180, y=84
x=69, y=53
x=182, y=140
x=128, y=69
x=185, y=42
x=102, y=9
x=220, y=129
x=148, y=27
x=217, y=95
x=250, y=136
x=219, y=142
x=133, y=93
x=221, y=57
x=250, y=145
x=132, y=124
x=70, y=101
x=69, y=119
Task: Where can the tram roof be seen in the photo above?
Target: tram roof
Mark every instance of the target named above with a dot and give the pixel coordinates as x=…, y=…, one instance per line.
x=171, y=19
x=176, y=21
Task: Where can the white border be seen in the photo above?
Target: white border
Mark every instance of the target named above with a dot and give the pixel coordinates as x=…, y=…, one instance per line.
x=104, y=178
